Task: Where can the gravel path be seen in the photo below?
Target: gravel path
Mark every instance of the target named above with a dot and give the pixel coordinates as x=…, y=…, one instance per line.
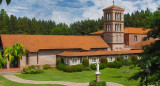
x=20, y=80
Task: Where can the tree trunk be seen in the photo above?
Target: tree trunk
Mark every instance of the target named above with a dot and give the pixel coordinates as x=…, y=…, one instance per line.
x=8, y=64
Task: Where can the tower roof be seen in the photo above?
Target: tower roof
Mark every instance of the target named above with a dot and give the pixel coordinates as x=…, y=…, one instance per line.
x=113, y=7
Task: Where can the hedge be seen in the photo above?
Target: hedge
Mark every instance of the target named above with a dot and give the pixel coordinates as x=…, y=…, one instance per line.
x=73, y=68
x=101, y=66
x=94, y=83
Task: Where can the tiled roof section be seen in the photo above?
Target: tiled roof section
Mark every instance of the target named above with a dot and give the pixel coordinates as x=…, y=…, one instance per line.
x=98, y=32
x=131, y=30
x=100, y=53
x=113, y=7
x=35, y=42
x=127, y=30
x=139, y=45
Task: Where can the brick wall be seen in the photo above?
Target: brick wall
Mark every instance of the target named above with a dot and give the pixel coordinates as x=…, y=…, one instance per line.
x=139, y=38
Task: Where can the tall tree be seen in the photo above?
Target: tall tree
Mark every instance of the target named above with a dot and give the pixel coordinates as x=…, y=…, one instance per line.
x=151, y=54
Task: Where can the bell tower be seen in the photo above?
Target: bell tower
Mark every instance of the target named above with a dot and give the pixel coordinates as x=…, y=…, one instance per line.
x=114, y=27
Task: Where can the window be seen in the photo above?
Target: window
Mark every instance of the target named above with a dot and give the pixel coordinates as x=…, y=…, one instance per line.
x=117, y=27
x=108, y=27
x=108, y=16
x=118, y=16
x=81, y=60
x=27, y=59
x=111, y=59
x=66, y=60
x=94, y=59
x=135, y=38
x=139, y=57
x=74, y=61
x=116, y=38
x=99, y=59
x=119, y=39
x=125, y=56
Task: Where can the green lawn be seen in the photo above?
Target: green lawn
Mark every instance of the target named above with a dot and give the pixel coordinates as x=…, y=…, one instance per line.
x=108, y=74
x=5, y=82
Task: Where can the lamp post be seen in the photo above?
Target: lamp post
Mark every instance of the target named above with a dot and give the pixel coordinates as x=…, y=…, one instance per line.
x=146, y=70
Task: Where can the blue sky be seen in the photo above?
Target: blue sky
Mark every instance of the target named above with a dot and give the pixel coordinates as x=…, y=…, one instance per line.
x=69, y=11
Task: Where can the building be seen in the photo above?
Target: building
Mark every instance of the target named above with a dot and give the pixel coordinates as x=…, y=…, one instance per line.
x=111, y=42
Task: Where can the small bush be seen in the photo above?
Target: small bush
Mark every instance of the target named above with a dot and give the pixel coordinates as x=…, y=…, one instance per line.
x=104, y=60
x=58, y=61
x=115, y=64
x=46, y=66
x=93, y=66
x=87, y=68
x=33, y=69
x=127, y=62
x=94, y=83
x=134, y=58
x=118, y=58
x=61, y=66
x=85, y=62
x=101, y=66
x=73, y=68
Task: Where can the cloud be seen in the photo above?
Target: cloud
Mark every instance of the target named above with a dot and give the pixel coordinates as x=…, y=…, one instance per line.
x=69, y=11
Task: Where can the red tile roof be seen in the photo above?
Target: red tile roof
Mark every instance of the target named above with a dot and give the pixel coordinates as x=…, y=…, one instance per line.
x=139, y=45
x=35, y=42
x=131, y=30
x=127, y=30
x=113, y=7
x=100, y=53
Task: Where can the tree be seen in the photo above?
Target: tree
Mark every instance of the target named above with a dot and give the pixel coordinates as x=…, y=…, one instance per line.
x=11, y=54
x=151, y=55
x=7, y=1
x=61, y=30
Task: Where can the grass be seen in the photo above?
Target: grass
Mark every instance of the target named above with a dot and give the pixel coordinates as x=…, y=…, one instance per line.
x=5, y=82
x=108, y=74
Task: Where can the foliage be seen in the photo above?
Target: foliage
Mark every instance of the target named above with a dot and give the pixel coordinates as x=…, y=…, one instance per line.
x=85, y=62
x=46, y=66
x=11, y=53
x=94, y=83
x=134, y=58
x=61, y=66
x=2, y=59
x=73, y=68
x=61, y=30
x=119, y=58
x=138, y=19
x=104, y=60
x=101, y=66
x=33, y=69
x=150, y=57
x=58, y=61
x=115, y=64
x=127, y=62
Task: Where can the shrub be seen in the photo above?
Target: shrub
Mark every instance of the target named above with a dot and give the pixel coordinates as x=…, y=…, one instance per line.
x=33, y=69
x=85, y=62
x=73, y=68
x=101, y=66
x=58, y=61
x=61, y=66
x=93, y=66
x=127, y=62
x=87, y=68
x=118, y=58
x=94, y=83
x=134, y=58
x=46, y=66
x=115, y=64
x=104, y=60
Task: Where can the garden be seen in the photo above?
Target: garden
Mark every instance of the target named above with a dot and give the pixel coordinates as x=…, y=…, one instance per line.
x=119, y=72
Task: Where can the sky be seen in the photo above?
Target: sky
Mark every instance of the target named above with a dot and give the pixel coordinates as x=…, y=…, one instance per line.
x=70, y=11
